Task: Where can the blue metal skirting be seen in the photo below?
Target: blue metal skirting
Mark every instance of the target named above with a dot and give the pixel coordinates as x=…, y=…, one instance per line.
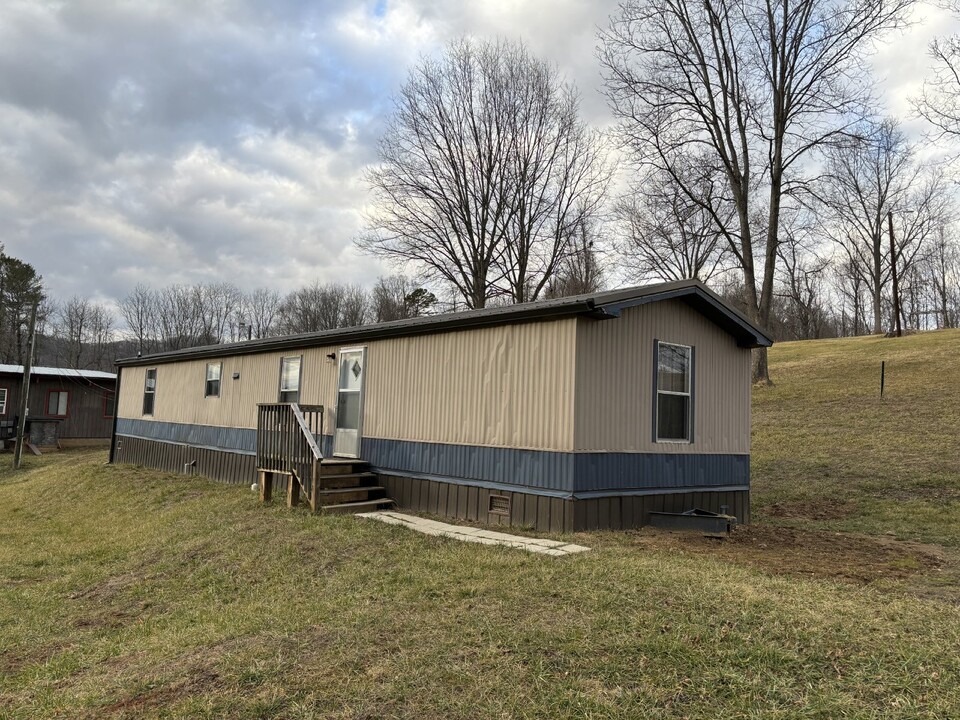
x=543, y=471
x=242, y=440
x=639, y=471
x=538, y=469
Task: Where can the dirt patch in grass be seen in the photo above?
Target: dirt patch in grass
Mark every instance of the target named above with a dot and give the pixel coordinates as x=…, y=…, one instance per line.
x=809, y=553
x=14, y=660
x=109, y=588
x=935, y=494
x=201, y=680
x=813, y=509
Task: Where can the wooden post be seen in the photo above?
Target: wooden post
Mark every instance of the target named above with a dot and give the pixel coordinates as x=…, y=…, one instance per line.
x=266, y=486
x=25, y=391
x=314, y=485
x=293, y=489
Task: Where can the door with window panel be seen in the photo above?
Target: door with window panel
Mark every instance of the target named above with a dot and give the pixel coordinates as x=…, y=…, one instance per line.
x=349, y=422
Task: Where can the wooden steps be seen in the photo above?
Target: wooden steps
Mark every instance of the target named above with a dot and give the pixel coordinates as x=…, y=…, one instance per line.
x=346, y=485
x=357, y=507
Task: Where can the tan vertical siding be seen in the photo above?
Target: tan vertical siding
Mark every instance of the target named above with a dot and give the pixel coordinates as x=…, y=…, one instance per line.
x=614, y=403
x=130, y=402
x=505, y=386
x=180, y=388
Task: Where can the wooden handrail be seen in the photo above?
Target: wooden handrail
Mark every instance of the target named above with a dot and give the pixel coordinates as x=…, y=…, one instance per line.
x=287, y=439
x=307, y=433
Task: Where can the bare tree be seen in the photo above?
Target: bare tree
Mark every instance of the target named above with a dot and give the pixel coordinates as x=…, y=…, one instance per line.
x=942, y=266
x=139, y=312
x=322, y=307
x=939, y=101
x=667, y=235
x=262, y=312
x=579, y=272
x=850, y=285
x=83, y=331
x=485, y=168
x=868, y=178
x=802, y=274
x=217, y=304
x=355, y=308
x=754, y=86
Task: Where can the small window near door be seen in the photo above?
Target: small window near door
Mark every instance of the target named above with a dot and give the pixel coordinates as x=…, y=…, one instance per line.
x=3, y=401
x=212, y=386
x=290, y=379
x=674, y=371
x=149, y=391
x=57, y=402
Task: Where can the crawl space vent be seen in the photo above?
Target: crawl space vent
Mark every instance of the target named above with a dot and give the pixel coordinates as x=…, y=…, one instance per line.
x=499, y=505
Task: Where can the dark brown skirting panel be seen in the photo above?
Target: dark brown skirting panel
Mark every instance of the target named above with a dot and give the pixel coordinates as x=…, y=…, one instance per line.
x=468, y=502
x=552, y=514
x=216, y=464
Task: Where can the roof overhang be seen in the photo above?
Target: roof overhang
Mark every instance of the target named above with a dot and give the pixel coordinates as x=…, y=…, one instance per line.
x=605, y=305
x=711, y=306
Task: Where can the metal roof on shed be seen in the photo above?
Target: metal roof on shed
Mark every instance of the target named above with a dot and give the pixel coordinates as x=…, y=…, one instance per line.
x=59, y=372
x=601, y=305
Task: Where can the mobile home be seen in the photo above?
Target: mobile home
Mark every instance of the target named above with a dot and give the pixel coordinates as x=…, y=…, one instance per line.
x=576, y=413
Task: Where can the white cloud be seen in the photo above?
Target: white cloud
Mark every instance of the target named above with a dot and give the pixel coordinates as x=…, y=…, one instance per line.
x=179, y=141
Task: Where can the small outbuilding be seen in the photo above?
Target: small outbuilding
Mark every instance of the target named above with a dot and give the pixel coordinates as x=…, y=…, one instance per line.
x=577, y=413
x=65, y=406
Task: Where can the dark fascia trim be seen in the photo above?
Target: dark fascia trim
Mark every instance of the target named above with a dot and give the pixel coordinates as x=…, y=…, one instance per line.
x=747, y=334
x=382, y=331
x=602, y=305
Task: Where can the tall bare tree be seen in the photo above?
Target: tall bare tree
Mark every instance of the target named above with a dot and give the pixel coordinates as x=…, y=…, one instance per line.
x=666, y=235
x=939, y=100
x=867, y=178
x=942, y=265
x=217, y=305
x=322, y=307
x=485, y=169
x=83, y=331
x=579, y=272
x=262, y=311
x=754, y=85
x=139, y=312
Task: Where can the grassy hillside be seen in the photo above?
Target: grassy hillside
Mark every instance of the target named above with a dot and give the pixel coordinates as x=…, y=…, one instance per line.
x=132, y=593
x=827, y=452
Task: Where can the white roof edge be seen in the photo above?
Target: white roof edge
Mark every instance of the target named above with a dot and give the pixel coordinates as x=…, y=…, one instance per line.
x=59, y=372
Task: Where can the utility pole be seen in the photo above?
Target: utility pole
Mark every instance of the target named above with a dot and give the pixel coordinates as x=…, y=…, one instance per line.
x=893, y=274
x=25, y=390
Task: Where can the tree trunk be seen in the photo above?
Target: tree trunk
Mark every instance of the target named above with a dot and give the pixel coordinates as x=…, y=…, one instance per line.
x=877, y=287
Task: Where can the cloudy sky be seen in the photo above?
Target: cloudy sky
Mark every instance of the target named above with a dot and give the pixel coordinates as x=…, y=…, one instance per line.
x=156, y=141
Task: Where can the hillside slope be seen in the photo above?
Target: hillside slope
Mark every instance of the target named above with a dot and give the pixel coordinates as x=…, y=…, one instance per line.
x=828, y=452
x=131, y=593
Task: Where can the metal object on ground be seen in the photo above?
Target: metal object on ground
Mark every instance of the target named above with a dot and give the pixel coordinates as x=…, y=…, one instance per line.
x=695, y=520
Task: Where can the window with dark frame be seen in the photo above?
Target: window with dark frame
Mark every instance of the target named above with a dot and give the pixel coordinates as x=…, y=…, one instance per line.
x=674, y=372
x=3, y=401
x=212, y=386
x=290, y=379
x=149, y=391
x=109, y=405
x=57, y=403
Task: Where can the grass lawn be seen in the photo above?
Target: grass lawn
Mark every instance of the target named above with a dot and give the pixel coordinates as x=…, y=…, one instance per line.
x=127, y=592
x=828, y=453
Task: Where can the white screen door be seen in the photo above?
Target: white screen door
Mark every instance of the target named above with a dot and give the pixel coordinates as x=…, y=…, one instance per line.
x=346, y=435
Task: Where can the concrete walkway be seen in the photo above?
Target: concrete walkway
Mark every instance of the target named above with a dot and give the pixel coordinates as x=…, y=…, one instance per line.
x=475, y=535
